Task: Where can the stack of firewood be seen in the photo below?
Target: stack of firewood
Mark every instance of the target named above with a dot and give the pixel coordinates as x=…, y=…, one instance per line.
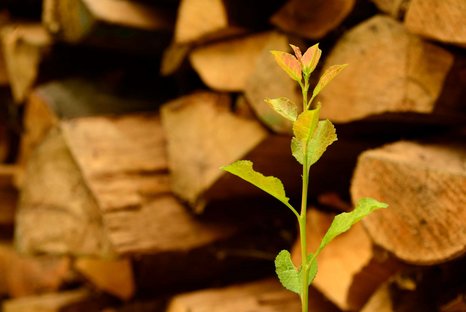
x=116, y=115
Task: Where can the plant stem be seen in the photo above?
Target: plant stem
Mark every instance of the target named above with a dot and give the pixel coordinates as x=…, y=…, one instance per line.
x=303, y=217
x=303, y=239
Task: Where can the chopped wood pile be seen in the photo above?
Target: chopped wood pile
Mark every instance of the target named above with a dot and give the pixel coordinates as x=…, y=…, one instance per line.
x=116, y=115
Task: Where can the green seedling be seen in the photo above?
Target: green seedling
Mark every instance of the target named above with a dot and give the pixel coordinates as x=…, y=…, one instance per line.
x=311, y=137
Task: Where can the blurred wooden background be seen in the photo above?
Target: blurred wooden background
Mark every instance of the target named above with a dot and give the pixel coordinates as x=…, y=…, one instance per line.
x=116, y=115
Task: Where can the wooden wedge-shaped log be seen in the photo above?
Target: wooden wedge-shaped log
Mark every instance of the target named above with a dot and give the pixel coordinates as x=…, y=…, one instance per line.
x=441, y=20
x=312, y=19
x=423, y=184
x=390, y=70
x=118, y=24
x=24, y=47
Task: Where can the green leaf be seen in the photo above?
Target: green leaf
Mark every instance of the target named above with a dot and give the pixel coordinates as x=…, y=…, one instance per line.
x=303, y=129
x=310, y=59
x=345, y=220
x=329, y=74
x=297, y=149
x=271, y=185
x=287, y=273
x=284, y=107
x=324, y=135
x=289, y=64
x=306, y=123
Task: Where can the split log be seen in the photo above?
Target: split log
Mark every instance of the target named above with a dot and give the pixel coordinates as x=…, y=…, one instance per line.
x=24, y=46
x=206, y=20
x=26, y=276
x=65, y=99
x=124, y=25
x=8, y=195
x=202, y=136
x=228, y=64
x=107, y=193
x=112, y=276
x=53, y=302
x=312, y=19
x=264, y=295
x=194, y=167
x=390, y=70
x=424, y=186
x=122, y=208
x=441, y=20
x=350, y=268
x=201, y=20
x=268, y=80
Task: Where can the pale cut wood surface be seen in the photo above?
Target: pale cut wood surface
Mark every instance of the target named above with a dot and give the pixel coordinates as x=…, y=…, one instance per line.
x=24, y=46
x=423, y=185
x=102, y=209
x=227, y=65
x=55, y=193
x=390, y=70
x=442, y=20
x=65, y=99
x=349, y=267
x=53, y=302
x=116, y=24
x=203, y=135
x=197, y=19
x=312, y=19
x=129, y=13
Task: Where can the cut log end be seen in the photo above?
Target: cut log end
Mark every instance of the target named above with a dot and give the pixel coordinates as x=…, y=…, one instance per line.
x=423, y=185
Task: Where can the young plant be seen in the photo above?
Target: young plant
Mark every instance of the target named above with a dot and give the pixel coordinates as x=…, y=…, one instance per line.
x=311, y=138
